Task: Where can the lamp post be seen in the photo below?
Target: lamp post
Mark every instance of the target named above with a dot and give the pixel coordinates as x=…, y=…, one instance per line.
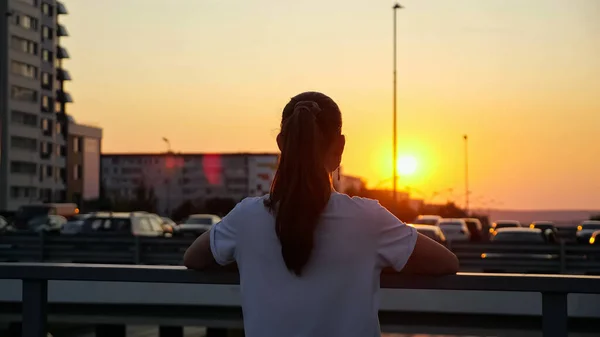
x=394, y=136
x=170, y=176
x=466, y=141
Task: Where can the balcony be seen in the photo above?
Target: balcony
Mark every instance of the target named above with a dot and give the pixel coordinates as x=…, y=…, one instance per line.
x=61, y=9
x=119, y=295
x=62, y=53
x=61, y=30
x=64, y=97
x=62, y=74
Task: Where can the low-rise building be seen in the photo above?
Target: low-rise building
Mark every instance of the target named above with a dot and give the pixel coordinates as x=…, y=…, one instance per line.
x=83, y=162
x=176, y=178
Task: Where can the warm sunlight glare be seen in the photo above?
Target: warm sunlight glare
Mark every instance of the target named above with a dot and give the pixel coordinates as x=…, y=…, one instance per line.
x=407, y=165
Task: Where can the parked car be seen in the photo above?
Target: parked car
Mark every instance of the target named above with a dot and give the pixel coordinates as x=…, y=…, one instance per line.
x=124, y=223
x=50, y=224
x=585, y=230
x=28, y=212
x=595, y=238
x=75, y=225
x=168, y=225
x=548, y=229
x=432, y=232
x=455, y=229
x=475, y=229
x=518, y=236
x=427, y=220
x=504, y=224
x=159, y=224
x=197, y=224
x=5, y=226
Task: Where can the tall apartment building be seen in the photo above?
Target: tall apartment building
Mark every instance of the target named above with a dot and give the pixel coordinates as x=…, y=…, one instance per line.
x=177, y=177
x=33, y=124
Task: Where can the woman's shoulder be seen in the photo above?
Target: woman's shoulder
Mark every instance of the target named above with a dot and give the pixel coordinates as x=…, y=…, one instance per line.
x=356, y=203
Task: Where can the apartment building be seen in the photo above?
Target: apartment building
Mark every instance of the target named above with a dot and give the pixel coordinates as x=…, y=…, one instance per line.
x=33, y=127
x=179, y=177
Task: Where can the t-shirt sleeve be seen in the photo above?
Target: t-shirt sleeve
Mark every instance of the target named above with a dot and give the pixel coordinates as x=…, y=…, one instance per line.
x=223, y=236
x=395, y=240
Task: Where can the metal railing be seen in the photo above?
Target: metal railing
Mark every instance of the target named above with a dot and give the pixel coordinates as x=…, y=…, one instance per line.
x=35, y=276
x=475, y=257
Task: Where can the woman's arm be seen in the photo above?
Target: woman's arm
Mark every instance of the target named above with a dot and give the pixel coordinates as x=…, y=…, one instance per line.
x=199, y=255
x=430, y=258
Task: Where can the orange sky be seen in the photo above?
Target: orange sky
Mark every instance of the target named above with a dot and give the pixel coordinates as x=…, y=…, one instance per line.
x=521, y=78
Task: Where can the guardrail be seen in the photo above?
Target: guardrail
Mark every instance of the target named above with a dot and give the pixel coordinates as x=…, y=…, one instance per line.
x=476, y=257
x=553, y=289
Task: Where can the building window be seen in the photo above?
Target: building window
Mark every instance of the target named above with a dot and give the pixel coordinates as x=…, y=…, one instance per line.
x=47, y=103
x=76, y=172
x=63, y=151
x=46, y=33
x=24, y=118
x=57, y=150
x=30, y=2
x=47, y=9
x=23, y=94
x=23, y=143
x=57, y=107
x=23, y=69
x=46, y=55
x=23, y=45
x=23, y=167
x=76, y=147
x=58, y=128
x=46, y=81
x=25, y=21
x=46, y=127
x=49, y=171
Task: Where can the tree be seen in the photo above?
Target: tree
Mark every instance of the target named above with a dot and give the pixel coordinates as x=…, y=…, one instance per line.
x=219, y=206
x=595, y=217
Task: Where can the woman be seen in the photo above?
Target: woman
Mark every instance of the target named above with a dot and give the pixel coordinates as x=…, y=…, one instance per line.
x=310, y=258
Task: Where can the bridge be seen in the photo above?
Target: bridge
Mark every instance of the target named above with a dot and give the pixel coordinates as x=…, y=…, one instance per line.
x=172, y=297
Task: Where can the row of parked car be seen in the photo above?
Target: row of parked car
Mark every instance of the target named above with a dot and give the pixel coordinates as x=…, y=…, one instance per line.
x=470, y=229
x=125, y=223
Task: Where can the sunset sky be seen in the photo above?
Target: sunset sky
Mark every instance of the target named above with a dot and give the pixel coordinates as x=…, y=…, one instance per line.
x=521, y=78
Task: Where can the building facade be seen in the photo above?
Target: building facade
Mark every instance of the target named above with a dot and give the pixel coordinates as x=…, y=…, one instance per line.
x=33, y=127
x=178, y=177
x=83, y=162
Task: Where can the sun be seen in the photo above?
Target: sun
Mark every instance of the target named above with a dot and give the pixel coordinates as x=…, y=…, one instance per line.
x=407, y=165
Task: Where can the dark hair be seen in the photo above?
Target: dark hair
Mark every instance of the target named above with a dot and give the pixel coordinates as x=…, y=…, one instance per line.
x=301, y=188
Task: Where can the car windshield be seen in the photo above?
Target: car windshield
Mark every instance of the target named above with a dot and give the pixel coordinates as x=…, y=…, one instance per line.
x=198, y=221
x=590, y=226
x=518, y=237
x=32, y=211
x=425, y=222
x=506, y=224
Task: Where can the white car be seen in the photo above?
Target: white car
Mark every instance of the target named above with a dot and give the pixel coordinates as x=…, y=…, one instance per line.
x=431, y=220
x=455, y=229
x=197, y=224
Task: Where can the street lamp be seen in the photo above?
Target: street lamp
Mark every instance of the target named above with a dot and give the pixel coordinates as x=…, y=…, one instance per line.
x=166, y=140
x=395, y=150
x=466, y=139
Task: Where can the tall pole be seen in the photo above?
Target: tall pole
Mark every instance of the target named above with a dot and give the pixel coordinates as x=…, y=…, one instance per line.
x=394, y=136
x=466, y=173
x=170, y=173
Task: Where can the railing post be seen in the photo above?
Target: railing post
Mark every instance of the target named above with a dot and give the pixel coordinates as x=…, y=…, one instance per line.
x=555, y=315
x=42, y=246
x=137, y=253
x=563, y=257
x=170, y=331
x=35, y=299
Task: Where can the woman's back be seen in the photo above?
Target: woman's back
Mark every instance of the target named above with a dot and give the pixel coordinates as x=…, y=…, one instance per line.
x=336, y=294
x=309, y=257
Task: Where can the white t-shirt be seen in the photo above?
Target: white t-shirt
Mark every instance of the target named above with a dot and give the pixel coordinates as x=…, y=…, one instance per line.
x=336, y=296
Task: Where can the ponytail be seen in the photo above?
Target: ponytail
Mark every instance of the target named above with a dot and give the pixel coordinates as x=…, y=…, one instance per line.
x=302, y=184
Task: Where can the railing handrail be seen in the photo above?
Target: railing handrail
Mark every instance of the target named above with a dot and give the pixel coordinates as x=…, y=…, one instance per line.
x=174, y=274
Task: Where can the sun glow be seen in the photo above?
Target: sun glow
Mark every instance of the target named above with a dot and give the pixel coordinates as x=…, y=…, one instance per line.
x=407, y=165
